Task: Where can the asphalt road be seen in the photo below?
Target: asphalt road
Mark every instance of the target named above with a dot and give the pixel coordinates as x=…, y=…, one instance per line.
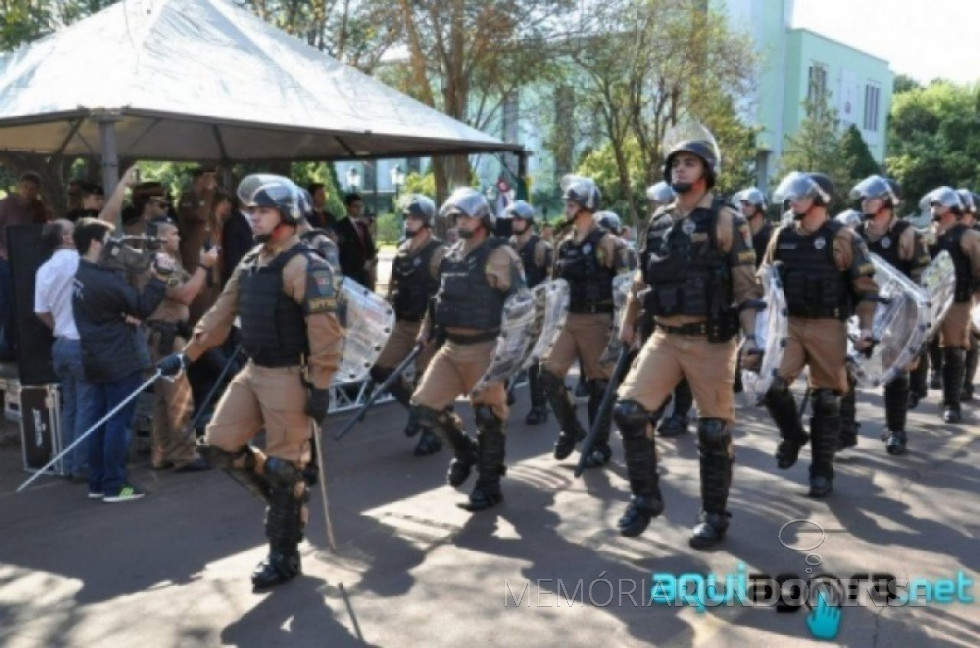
x=546, y=568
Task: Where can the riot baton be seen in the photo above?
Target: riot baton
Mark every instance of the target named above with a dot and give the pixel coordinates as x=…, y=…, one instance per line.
x=318, y=438
x=622, y=364
x=214, y=388
x=382, y=388
x=139, y=390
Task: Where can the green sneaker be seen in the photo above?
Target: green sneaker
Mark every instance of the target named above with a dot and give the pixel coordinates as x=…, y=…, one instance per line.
x=127, y=493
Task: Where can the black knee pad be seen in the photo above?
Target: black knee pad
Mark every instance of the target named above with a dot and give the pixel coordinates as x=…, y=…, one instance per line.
x=826, y=402
x=631, y=417
x=551, y=382
x=282, y=473
x=427, y=416
x=225, y=460
x=486, y=419
x=714, y=434
x=380, y=374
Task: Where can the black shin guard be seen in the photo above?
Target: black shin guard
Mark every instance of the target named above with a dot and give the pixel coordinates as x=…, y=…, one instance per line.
x=824, y=437
x=564, y=409
x=716, y=456
x=848, y=416
x=919, y=380
x=450, y=428
x=490, y=462
x=782, y=408
x=954, y=360
x=970, y=369
x=284, y=524
x=641, y=466
x=896, y=411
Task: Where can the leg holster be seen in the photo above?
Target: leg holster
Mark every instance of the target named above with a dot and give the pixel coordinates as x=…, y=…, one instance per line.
x=954, y=366
x=716, y=455
x=896, y=402
x=536, y=386
x=245, y=465
x=639, y=450
x=824, y=432
x=561, y=404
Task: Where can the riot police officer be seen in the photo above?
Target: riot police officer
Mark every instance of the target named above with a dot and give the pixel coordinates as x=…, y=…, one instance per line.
x=477, y=275
x=284, y=294
x=698, y=282
x=537, y=257
x=963, y=245
x=753, y=206
x=588, y=258
x=969, y=200
x=827, y=275
x=612, y=223
x=897, y=242
x=414, y=281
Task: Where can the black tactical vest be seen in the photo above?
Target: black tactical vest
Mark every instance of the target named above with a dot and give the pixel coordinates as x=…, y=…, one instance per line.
x=887, y=246
x=533, y=273
x=412, y=283
x=951, y=241
x=590, y=282
x=466, y=299
x=687, y=272
x=760, y=241
x=813, y=285
x=273, y=325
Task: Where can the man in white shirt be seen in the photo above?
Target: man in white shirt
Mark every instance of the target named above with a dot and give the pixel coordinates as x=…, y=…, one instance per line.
x=52, y=304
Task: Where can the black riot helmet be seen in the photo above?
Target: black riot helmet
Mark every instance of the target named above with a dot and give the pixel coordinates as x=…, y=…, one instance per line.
x=520, y=209
x=582, y=191
x=693, y=138
x=609, y=221
x=876, y=187
x=267, y=190
x=469, y=202
x=420, y=207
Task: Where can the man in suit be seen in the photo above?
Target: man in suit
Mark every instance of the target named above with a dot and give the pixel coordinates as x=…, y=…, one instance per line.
x=358, y=254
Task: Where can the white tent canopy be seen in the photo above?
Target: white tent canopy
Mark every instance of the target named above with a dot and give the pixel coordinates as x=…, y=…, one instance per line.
x=204, y=80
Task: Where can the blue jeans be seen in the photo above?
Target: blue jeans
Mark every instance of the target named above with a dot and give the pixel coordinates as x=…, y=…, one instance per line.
x=109, y=444
x=75, y=392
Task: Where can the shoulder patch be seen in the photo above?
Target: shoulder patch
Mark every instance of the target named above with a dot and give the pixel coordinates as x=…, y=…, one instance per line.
x=321, y=291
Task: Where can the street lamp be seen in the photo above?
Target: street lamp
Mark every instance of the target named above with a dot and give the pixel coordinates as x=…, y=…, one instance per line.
x=397, y=179
x=353, y=179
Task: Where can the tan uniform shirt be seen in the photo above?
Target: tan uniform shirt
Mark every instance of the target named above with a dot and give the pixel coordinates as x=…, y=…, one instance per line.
x=171, y=310
x=735, y=240
x=323, y=330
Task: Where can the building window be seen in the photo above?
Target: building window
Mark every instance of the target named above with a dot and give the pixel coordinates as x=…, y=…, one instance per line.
x=816, y=90
x=872, y=101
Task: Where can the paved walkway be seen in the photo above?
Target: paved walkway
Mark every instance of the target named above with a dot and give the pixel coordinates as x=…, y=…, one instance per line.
x=546, y=568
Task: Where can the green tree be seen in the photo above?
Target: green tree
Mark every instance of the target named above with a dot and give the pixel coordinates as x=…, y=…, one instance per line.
x=934, y=139
x=857, y=156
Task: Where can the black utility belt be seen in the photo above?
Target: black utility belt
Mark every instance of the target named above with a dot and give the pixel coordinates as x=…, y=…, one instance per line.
x=472, y=339
x=694, y=329
x=591, y=310
x=275, y=362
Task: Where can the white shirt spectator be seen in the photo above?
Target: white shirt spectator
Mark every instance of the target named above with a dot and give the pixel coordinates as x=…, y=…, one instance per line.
x=53, y=287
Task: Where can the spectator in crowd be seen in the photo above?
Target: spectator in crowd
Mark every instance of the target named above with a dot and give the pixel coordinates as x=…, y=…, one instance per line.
x=93, y=197
x=114, y=353
x=358, y=255
x=322, y=218
x=149, y=203
x=173, y=445
x=236, y=233
x=52, y=305
x=195, y=218
x=20, y=207
x=74, y=195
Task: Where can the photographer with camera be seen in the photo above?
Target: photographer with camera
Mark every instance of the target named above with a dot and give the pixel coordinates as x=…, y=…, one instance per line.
x=114, y=352
x=173, y=446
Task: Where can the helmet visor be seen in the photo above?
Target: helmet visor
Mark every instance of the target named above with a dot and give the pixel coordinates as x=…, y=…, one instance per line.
x=660, y=192
x=466, y=201
x=944, y=196
x=799, y=186
x=871, y=188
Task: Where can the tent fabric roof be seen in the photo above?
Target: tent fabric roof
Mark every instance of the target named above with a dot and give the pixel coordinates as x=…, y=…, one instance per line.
x=205, y=80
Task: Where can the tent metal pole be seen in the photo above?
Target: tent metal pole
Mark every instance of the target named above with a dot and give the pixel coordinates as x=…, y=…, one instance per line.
x=522, y=193
x=108, y=153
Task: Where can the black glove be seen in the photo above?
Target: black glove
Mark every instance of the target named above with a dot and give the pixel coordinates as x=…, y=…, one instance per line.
x=317, y=404
x=751, y=354
x=173, y=364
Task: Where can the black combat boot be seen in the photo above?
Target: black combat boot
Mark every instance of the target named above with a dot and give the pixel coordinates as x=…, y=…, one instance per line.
x=564, y=409
x=782, y=408
x=936, y=362
x=970, y=369
x=824, y=432
x=919, y=381
x=449, y=426
x=428, y=443
x=676, y=424
x=641, y=465
x=716, y=456
x=539, y=400
x=491, y=439
x=849, y=426
x=896, y=410
x=283, y=525
x=953, y=369
x=601, y=451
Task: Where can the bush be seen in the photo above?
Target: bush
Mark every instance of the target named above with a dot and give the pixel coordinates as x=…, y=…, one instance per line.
x=389, y=229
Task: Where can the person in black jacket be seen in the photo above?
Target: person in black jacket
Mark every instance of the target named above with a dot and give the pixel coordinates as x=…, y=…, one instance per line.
x=358, y=254
x=114, y=354
x=236, y=233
